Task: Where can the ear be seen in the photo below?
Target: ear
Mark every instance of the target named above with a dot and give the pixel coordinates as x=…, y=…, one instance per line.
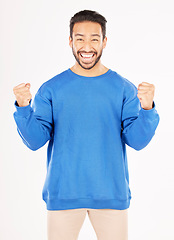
x=104, y=42
x=70, y=41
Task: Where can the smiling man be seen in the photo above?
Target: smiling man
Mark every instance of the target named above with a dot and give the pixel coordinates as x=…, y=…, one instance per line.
x=87, y=46
x=88, y=113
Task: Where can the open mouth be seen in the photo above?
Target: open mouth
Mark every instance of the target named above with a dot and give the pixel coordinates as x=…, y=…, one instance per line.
x=87, y=58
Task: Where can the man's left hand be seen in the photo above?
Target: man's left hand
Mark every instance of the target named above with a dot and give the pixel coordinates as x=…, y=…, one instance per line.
x=146, y=94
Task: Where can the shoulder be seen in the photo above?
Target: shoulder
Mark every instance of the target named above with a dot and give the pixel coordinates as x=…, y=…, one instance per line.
x=127, y=84
x=53, y=83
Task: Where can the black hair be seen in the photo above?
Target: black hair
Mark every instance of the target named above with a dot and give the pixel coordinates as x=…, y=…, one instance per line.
x=88, y=15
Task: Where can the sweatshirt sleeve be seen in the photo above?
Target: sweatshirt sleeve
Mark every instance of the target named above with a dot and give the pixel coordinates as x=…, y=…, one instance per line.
x=138, y=124
x=35, y=124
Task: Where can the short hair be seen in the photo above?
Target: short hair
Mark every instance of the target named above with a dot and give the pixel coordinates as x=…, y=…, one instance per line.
x=88, y=15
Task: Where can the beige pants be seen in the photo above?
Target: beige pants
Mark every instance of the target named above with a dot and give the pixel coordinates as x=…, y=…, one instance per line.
x=108, y=224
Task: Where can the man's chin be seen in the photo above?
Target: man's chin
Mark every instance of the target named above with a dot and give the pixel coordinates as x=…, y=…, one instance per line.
x=87, y=66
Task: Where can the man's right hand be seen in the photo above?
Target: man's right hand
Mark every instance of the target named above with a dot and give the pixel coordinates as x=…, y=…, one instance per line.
x=22, y=94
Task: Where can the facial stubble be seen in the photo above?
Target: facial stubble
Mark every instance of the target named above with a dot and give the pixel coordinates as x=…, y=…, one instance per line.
x=78, y=60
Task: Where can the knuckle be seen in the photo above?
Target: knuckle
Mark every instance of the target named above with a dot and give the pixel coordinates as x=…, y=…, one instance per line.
x=14, y=89
x=152, y=87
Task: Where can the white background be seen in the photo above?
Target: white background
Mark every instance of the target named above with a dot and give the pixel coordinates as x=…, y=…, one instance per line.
x=34, y=48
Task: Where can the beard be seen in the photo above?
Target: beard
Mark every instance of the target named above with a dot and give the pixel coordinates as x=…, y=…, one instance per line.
x=85, y=67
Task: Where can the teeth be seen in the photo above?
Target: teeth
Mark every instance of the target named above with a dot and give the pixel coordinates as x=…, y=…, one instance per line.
x=87, y=55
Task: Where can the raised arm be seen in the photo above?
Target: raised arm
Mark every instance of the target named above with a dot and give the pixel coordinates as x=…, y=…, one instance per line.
x=138, y=124
x=34, y=124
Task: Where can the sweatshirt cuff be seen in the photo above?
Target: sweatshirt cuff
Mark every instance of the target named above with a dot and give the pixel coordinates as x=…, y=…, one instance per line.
x=23, y=111
x=149, y=113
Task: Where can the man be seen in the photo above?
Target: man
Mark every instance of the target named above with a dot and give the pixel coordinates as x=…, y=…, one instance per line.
x=88, y=113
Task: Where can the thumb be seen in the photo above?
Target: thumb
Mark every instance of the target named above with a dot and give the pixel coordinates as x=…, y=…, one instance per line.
x=28, y=85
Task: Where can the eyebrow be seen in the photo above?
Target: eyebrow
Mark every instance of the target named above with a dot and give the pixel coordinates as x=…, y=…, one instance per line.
x=94, y=35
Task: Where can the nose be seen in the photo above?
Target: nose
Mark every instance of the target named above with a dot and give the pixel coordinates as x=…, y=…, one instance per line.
x=87, y=46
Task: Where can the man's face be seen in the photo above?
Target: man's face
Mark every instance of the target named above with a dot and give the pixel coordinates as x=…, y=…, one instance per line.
x=87, y=43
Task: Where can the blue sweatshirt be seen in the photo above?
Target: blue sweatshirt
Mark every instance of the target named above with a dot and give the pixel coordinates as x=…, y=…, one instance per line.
x=87, y=122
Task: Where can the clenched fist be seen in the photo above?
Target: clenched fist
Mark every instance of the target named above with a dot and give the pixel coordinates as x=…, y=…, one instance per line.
x=22, y=94
x=146, y=94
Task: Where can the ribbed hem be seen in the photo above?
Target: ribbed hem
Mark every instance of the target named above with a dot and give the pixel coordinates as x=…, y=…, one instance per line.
x=149, y=114
x=64, y=204
x=23, y=111
x=88, y=78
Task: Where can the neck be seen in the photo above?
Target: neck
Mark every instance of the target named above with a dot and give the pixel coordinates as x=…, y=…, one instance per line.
x=97, y=70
